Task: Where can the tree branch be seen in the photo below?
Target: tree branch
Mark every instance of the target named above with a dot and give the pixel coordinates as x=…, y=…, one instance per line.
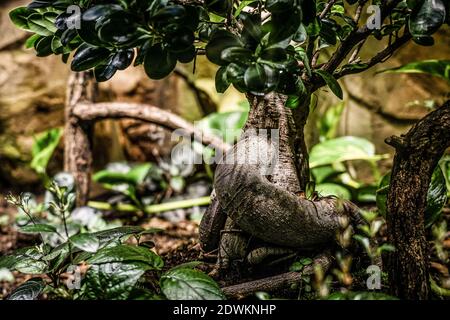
x=99, y=111
x=327, y=8
x=204, y=100
x=78, y=134
x=379, y=58
x=356, y=37
x=377, y=109
x=417, y=155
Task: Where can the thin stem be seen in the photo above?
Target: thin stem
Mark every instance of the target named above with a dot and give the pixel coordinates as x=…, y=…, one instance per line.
x=156, y=208
x=67, y=235
x=327, y=8
x=359, y=11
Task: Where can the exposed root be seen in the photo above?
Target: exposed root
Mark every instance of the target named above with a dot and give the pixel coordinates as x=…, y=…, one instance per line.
x=277, y=282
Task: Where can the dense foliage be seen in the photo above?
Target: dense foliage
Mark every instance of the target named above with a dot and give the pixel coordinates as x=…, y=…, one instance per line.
x=102, y=264
x=260, y=46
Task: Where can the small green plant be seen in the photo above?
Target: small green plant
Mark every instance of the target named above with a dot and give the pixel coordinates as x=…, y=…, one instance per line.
x=43, y=149
x=131, y=181
x=304, y=286
x=330, y=160
x=116, y=269
x=347, y=276
x=440, y=280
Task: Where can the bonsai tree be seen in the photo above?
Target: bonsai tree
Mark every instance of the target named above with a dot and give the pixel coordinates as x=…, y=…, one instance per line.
x=271, y=51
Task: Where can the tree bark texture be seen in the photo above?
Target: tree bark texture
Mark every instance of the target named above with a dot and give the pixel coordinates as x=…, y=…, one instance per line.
x=277, y=282
x=147, y=113
x=417, y=154
x=82, y=88
x=266, y=112
x=82, y=113
x=267, y=205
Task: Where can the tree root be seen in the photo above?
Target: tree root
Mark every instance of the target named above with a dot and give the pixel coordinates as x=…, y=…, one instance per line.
x=277, y=282
x=269, y=212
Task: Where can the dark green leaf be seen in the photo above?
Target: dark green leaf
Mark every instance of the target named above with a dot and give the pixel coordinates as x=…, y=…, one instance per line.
x=275, y=54
x=37, y=228
x=331, y=82
x=67, y=36
x=333, y=189
x=438, y=68
x=141, y=52
x=86, y=242
x=169, y=15
x=279, y=5
x=115, y=234
x=301, y=35
x=220, y=41
x=36, y=4
x=308, y=11
x=112, y=281
x=123, y=59
x=43, y=148
x=222, y=82
x=125, y=253
x=19, y=17
x=159, y=62
x=188, y=55
x=181, y=40
x=118, y=28
x=427, y=19
x=252, y=31
x=219, y=7
x=93, y=16
x=44, y=46
x=292, y=102
x=260, y=78
x=30, y=266
x=283, y=27
x=328, y=31
x=88, y=57
x=189, y=284
x=426, y=41
x=30, y=290
x=436, y=197
x=342, y=149
x=104, y=72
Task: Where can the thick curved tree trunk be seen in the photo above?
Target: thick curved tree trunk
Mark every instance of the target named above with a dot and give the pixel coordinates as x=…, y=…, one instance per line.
x=258, y=189
x=417, y=154
x=78, y=134
x=267, y=113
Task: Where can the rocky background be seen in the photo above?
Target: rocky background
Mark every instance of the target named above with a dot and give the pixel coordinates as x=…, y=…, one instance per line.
x=32, y=93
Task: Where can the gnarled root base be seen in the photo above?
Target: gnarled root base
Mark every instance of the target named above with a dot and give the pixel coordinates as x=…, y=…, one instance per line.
x=248, y=208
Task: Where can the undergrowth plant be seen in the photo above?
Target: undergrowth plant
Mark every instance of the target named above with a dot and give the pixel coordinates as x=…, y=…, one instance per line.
x=104, y=264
